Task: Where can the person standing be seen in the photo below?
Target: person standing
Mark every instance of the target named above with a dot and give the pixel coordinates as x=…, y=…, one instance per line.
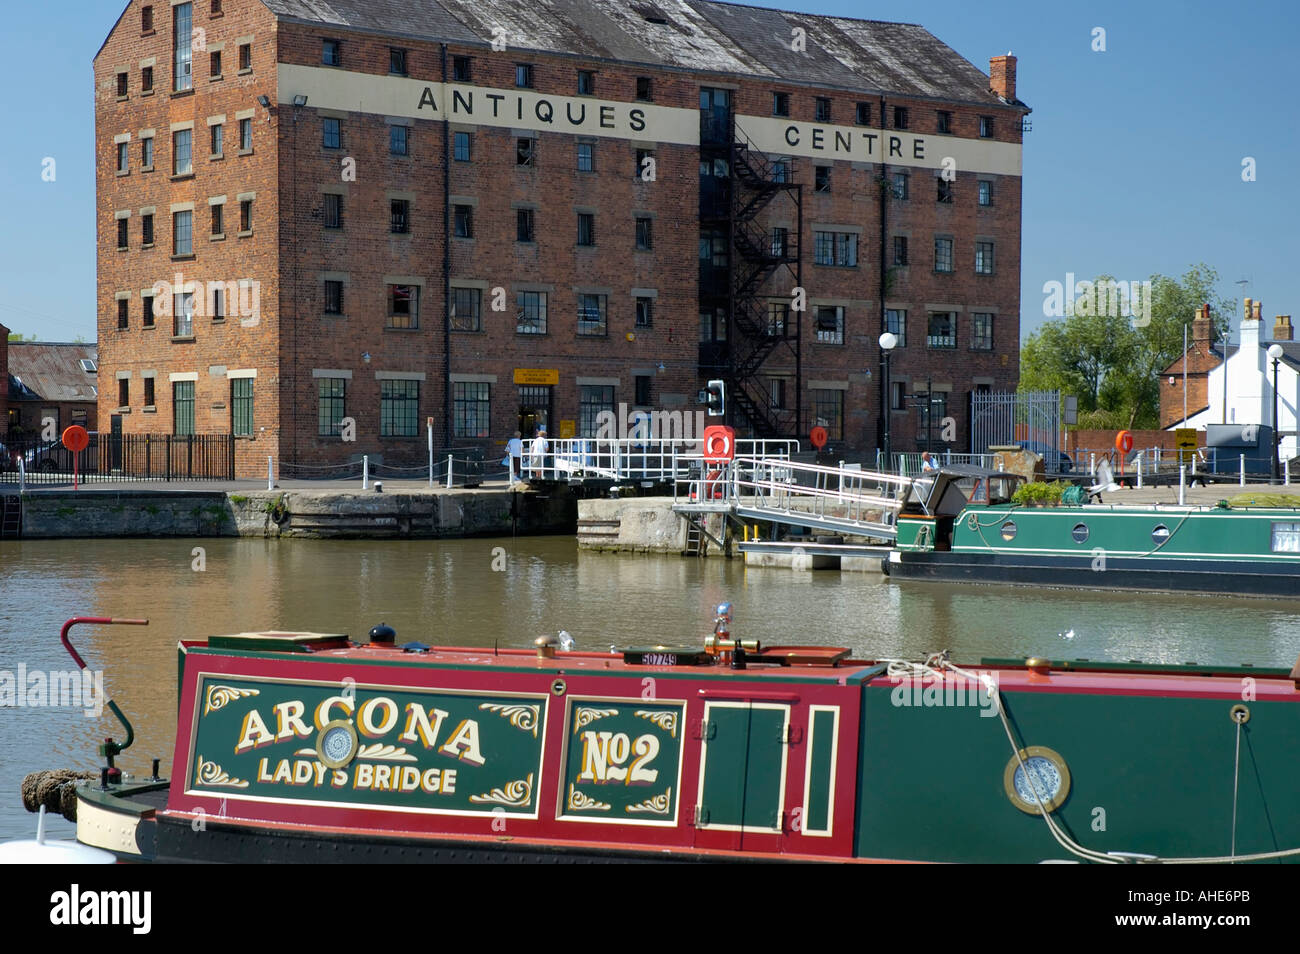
x=927, y=463
x=539, y=448
x=514, y=456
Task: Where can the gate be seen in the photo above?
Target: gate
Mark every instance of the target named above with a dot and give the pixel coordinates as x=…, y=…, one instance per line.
x=1030, y=418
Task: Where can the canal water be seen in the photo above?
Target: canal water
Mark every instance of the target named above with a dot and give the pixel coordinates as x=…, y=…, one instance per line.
x=508, y=592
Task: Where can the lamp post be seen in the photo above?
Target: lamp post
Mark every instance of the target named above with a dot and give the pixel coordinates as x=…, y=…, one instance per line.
x=1275, y=352
x=888, y=342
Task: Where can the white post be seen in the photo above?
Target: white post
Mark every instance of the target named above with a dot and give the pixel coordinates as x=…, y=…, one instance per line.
x=22, y=473
x=449, y=472
x=1242, y=479
x=430, y=426
x=365, y=472
x=1092, y=464
x=1139, y=475
x=1286, y=472
x=1182, y=483
x=270, y=473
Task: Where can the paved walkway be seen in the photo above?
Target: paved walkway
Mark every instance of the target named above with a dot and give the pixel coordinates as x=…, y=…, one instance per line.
x=1207, y=496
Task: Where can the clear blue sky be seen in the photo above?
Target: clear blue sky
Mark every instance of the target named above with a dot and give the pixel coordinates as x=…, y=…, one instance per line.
x=1133, y=165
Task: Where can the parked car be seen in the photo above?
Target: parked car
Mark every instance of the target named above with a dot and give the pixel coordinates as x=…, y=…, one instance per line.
x=52, y=457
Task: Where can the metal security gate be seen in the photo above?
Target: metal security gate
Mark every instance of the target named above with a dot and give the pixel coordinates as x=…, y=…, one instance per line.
x=1029, y=418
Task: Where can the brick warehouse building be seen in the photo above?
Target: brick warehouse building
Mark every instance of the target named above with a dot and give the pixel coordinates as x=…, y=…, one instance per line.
x=371, y=213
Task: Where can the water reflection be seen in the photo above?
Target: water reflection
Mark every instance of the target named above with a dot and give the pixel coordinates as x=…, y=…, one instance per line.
x=448, y=592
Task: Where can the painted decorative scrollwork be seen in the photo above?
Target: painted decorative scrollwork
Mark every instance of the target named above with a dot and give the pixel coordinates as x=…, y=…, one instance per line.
x=521, y=715
x=664, y=720
x=658, y=805
x=380, y=752
x=517, y=793
x=218, y=697
x=210, y=773
x=580, y=802
x=586, y=715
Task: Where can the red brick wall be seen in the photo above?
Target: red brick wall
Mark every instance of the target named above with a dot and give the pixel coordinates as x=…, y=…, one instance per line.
x=215, y=345
x=290, y=166
x=1095, y=440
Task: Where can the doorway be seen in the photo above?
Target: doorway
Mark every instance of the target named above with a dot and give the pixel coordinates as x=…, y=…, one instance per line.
x=535, y=410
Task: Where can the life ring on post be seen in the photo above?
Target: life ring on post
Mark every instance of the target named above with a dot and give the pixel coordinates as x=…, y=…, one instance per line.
x=1124, y=441
x=719, y=444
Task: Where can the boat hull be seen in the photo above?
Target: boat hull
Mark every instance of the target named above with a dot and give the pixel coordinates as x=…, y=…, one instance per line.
x=1147, y=574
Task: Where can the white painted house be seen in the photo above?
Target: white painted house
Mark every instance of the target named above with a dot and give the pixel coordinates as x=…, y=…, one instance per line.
x=1248, y=396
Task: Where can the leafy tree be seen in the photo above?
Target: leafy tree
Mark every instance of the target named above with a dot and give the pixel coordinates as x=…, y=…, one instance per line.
x=1110, y=362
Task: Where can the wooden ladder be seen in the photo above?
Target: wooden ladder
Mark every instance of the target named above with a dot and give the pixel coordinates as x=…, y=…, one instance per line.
x=11, y=517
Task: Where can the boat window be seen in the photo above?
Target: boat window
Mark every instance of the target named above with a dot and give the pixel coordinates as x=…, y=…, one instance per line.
x=1080, y=533
x=1286, y=538
x=1160, y=534
x=1009, y=530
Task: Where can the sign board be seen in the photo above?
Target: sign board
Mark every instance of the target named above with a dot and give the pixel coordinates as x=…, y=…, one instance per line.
x=568, y=429
x=537, y=376
x=1185, y=441
x=622, y=761
x=377, y=747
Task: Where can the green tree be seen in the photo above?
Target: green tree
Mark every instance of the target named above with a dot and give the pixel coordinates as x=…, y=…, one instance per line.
x=1112, y=363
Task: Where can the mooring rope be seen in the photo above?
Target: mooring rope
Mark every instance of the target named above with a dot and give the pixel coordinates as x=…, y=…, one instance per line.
x=56, y=789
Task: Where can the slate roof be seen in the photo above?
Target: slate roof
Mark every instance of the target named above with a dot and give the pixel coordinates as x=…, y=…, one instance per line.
x=697, y=35
x=51, y=371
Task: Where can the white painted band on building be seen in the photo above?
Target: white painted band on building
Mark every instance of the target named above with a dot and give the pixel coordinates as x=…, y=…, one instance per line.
x=396, y=96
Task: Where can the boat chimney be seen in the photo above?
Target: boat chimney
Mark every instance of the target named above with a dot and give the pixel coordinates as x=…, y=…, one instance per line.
x=383, y=635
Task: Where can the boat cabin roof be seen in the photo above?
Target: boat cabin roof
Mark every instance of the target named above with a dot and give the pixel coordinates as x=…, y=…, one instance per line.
x=947, y=491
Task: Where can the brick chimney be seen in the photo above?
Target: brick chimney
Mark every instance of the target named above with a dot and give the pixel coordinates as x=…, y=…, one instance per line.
x=1002, y=76
x=1282, y=330
x=1202, y=327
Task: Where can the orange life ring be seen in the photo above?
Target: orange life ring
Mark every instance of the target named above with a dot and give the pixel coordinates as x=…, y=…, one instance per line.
x=719, y=444
x=1124, y=441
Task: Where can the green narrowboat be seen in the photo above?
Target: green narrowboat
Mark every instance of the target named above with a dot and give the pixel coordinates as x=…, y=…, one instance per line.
x=959, y=525
x=311, y=747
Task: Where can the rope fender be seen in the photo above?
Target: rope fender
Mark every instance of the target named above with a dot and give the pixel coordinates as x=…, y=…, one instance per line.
x=56, y=789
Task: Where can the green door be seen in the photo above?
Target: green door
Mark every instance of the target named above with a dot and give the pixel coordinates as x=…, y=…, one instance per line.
x=743, y=767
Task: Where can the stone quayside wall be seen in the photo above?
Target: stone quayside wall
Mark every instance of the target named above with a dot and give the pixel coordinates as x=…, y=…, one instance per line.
x=293, y=513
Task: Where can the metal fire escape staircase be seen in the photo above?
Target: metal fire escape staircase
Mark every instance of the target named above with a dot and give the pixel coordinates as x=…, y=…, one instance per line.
x=756, y=260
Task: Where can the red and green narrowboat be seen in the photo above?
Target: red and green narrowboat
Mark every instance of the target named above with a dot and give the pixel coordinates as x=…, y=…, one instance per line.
x=960, y=525
x=309, y=747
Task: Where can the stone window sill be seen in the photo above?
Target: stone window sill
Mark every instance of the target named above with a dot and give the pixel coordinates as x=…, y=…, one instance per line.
x=148, y=409
x=146, y=168
x=330, y=317
x=245, y=71
x=216, y=157
x=219, y=320
x=178, y=93
x=182, y=339
x=179, y=176
x=215, y=79
x=146, y=245
x=219, y=237
x=402, y=330
x=244, y=234
x=123, y=172
x=121, y=410
x=146, y=92
x=183, y=258
x=245, y=152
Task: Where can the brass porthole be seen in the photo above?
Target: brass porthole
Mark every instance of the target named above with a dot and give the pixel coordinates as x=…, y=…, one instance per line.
x=336, y=744
x=1051, y=777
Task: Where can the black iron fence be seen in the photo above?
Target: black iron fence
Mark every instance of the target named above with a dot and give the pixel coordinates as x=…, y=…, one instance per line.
x=125, y=457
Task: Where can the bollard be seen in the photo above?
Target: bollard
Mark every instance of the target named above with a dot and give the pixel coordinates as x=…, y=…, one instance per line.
x=270, y=473
x=1139, y=474
x=1241, y=480
x=1182, y=483
x=365, y=472
x=1092, y=465
x=1286, y=473
x=22, y=474
x=448, y=471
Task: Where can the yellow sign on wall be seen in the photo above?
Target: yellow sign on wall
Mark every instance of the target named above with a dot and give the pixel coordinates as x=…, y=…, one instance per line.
x=568, y=429
x=535, y=376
